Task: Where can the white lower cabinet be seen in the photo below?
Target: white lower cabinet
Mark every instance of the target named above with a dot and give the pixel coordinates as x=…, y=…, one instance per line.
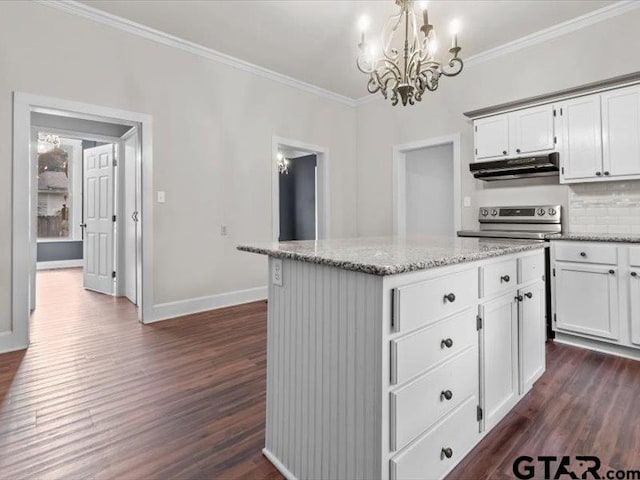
x=634, y=297
x=499, y=347
x=532, y=334
x=587, y=299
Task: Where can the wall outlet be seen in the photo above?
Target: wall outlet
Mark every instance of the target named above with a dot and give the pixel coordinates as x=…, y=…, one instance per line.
x=161, y=197
x=276, y=271
x=467, y=201
x=223, y=230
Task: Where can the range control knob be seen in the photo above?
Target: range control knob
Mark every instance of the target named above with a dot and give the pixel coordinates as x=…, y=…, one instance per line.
x=541, y=211
x=552, y=211
x=484, y=212
x=494, y=212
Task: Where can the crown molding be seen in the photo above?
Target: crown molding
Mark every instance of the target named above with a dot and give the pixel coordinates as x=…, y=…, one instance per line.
x=554, y=31
x=82, y=10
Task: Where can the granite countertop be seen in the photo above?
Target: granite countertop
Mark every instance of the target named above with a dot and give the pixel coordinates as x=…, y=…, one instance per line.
x=392, y=255
x=599, y=237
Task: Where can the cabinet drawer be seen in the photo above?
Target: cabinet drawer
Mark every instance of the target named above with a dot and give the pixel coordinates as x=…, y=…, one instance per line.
x=423, y=303
x=531, y=268
x=429, y=346
x=634, y=256
x=417, y=406
x=426, y=459
x=586, y=253
x=499, y=277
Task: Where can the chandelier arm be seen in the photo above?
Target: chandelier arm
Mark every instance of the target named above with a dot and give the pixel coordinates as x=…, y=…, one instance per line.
x=456, y=64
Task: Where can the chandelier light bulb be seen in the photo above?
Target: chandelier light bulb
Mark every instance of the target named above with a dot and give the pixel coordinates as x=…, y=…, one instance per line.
x=364, y=23
x=280, y=156
x=454, y=27
x=423, y=5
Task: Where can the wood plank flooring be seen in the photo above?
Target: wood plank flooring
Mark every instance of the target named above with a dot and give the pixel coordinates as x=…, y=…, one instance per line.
x=98, y=395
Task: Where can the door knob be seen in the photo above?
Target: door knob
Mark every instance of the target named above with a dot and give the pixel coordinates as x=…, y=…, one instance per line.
x=450, y=296
x=447, y=452
x=528, y=294
x=447, y=394
x=447, y=342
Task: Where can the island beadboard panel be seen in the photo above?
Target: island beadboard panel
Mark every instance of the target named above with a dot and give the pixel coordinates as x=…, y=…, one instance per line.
x=325, y=422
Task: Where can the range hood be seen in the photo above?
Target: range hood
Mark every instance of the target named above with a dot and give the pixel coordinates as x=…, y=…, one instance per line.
x=522, y=167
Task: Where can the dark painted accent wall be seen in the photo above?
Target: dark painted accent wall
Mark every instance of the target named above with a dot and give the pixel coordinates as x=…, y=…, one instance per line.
x=57, y=251
x=298, y=200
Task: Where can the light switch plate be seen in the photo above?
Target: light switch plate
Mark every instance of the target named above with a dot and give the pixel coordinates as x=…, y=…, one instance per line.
x=276, y=271
x=161, y=197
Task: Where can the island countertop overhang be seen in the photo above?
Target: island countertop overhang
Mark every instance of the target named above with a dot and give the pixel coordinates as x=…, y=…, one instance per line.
x=393, y=255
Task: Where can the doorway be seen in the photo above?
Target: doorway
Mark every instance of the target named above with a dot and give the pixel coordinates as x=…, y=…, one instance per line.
x=122, y=139
x=426, y=181
x=300, y=202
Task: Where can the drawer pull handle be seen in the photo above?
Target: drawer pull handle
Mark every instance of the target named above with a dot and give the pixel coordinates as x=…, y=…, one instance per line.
x=505, y=278
x=447, y=342
x=528, y=294
x=634, y=274
x=447, y=452
x=446, y=394
x=450, y=296
x=583, y=254
x=612, y=272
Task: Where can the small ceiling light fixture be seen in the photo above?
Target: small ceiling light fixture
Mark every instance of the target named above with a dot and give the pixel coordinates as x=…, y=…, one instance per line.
x=283, y=164
x=407, y=66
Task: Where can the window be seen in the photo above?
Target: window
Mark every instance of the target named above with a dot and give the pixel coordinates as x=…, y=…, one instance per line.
x=59, y=193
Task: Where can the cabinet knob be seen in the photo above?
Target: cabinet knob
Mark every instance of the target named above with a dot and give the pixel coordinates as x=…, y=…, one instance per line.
x=446, y=394
x=504, y=152
x=583, y=254
x=450, y=296
x=505, y=278
x=606, y=173
x=447, y=452
x=519, y=298
x=528, y=294
x=447, y=342
x=517, y=150
x=634, y=274
x=598, y=174
x=612, y=272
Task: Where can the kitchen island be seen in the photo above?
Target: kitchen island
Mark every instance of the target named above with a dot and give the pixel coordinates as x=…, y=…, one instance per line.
x=393, y=357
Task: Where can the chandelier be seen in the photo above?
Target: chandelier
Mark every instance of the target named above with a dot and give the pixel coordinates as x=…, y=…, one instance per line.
x=404, y=67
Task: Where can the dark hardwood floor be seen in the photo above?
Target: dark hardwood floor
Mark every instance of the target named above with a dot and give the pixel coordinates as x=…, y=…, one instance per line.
x=98, y=395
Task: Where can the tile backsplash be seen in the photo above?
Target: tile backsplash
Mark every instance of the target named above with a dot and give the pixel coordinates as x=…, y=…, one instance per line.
x=604, y=207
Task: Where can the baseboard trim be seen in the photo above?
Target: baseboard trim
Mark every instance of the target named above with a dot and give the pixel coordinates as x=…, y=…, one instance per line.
x=278, y=464
x=9, y=342
x=59, y=264
x=596, y=346
x=165, y=311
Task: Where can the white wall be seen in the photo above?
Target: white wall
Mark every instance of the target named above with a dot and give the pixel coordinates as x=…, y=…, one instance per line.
x=429, y=190
x=591, y=54
x=212, y=131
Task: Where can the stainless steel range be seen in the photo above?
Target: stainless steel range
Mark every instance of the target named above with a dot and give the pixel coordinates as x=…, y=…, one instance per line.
x=534, y=222
x=537, y=222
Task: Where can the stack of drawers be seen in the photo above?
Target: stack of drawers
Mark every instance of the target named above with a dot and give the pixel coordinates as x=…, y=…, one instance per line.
x=434, y=371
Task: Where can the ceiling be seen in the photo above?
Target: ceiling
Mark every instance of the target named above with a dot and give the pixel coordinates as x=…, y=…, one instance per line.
x=316, y=40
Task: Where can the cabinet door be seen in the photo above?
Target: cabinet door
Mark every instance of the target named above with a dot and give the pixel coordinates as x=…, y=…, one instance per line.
x=634, y=297
x=532, y=334
x=499, y=357
x=586, y=298
x=621, y=132
x=580, y=136
x=492, y=137
x=531, y=131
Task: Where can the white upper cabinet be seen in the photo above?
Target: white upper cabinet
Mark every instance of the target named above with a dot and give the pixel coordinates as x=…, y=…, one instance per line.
x=580, y=137
x=621, y=132
x=532, y=131
x=492, y=137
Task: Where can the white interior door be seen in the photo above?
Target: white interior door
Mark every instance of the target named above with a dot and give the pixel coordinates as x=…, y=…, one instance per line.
x=98, y=219
x=131, y=216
